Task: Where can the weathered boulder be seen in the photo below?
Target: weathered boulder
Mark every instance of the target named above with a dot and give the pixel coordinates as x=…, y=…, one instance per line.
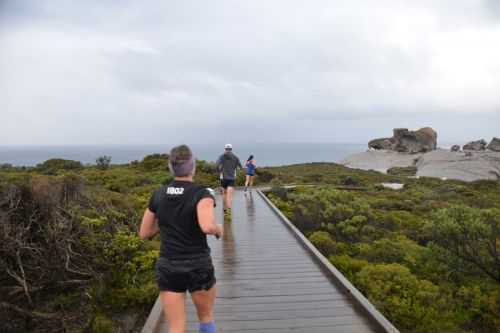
x=384, y=144
x=475, y=145
x=494, y=144
x=405, y=141
x=455, y=148
x=421, y=141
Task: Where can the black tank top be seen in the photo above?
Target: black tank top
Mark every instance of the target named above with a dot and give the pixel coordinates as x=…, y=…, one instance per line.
x=175, y=207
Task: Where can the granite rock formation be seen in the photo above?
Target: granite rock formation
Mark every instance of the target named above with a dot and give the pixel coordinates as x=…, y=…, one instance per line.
x=475, y=145
x=381, y=144
x=444, y=164
x=494, y=144
x=405, y=141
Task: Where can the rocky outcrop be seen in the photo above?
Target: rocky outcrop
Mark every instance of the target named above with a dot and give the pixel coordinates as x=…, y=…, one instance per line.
x=405, y=141
x=475, y=145
x=380, y=160
x=461, y=166
x=494, y=144
x=444, y=164
x=381, y=144
x=455, y=148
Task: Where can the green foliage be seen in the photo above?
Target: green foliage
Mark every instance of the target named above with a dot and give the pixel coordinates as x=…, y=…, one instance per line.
x=102, y=324
x=426, y=255
x=397, y=249
x=348, y=265
x=279, y=191
x=6, y=166
x=352, y=228
x=103, y=162
x=351, y=180
x=56, y=165
x=264, y=176
x=493, y=315
x=93, y=222
x=323, y=242
x=412, y=304
x=154, y=162
x=403, y=171
x=122, y=247
x=324, y=173
x=284, y=206
x=397, y=237
x=472, y=235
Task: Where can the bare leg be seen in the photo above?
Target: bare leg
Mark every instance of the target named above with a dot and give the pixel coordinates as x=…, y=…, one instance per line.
x=204, y=302
x=229, y=197
x=251, y=180
x=247, y=181
x=174, y=309
x=224, y=193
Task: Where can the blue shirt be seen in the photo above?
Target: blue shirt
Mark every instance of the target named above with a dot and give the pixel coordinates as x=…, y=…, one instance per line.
x=250, y=168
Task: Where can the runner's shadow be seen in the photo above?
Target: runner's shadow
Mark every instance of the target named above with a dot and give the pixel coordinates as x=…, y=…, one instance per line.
x=229, y=268
x=250, y=206
x=228, y=246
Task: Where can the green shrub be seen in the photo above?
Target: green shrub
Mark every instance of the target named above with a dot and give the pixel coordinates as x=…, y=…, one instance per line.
x=397, y=249
x=6, y=166
x=403, y=171
x=347, y=265
x=412, y=304
x=323, y=242
x=103, y=162
x=471, y=234
x=55, y=165
x=102, y=324
x=154, y=162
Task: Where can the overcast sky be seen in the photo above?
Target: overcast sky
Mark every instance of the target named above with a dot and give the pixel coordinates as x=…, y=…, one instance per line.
x=134, y=72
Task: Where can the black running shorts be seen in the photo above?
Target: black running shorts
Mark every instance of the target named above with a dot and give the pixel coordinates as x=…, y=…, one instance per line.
x=225, y=183
x=185, y=274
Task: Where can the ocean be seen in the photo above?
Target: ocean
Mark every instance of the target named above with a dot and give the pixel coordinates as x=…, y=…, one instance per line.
x=274, y=154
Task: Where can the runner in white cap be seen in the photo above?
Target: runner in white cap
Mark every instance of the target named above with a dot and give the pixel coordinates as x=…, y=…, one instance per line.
x=227, y=164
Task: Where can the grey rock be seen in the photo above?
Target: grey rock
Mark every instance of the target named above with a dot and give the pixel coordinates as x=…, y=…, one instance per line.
x=406, y=141
x=393, y=186
x=470, y=166
x=380, y=160
x=455, y=148
x=466, y=166
x=475, y=145
x=494, y=144
x=384, y=144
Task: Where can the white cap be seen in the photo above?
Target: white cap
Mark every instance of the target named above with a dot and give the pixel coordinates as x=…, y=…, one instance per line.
x=228, y=146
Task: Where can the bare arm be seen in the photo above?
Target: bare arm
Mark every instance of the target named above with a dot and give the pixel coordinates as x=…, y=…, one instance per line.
x=149, y=226
x=206, y=217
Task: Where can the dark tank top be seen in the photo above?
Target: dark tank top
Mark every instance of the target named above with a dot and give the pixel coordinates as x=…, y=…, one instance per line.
x=175, y=207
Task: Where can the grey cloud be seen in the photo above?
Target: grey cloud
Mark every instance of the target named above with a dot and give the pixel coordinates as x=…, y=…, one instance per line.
x=493, y=7
x=107, y=71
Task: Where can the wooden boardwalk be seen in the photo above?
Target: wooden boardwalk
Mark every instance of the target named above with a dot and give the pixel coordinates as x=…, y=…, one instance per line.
x=268, y=282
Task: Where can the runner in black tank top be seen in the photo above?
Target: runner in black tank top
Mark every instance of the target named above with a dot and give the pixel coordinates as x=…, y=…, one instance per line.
x=182, y=212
